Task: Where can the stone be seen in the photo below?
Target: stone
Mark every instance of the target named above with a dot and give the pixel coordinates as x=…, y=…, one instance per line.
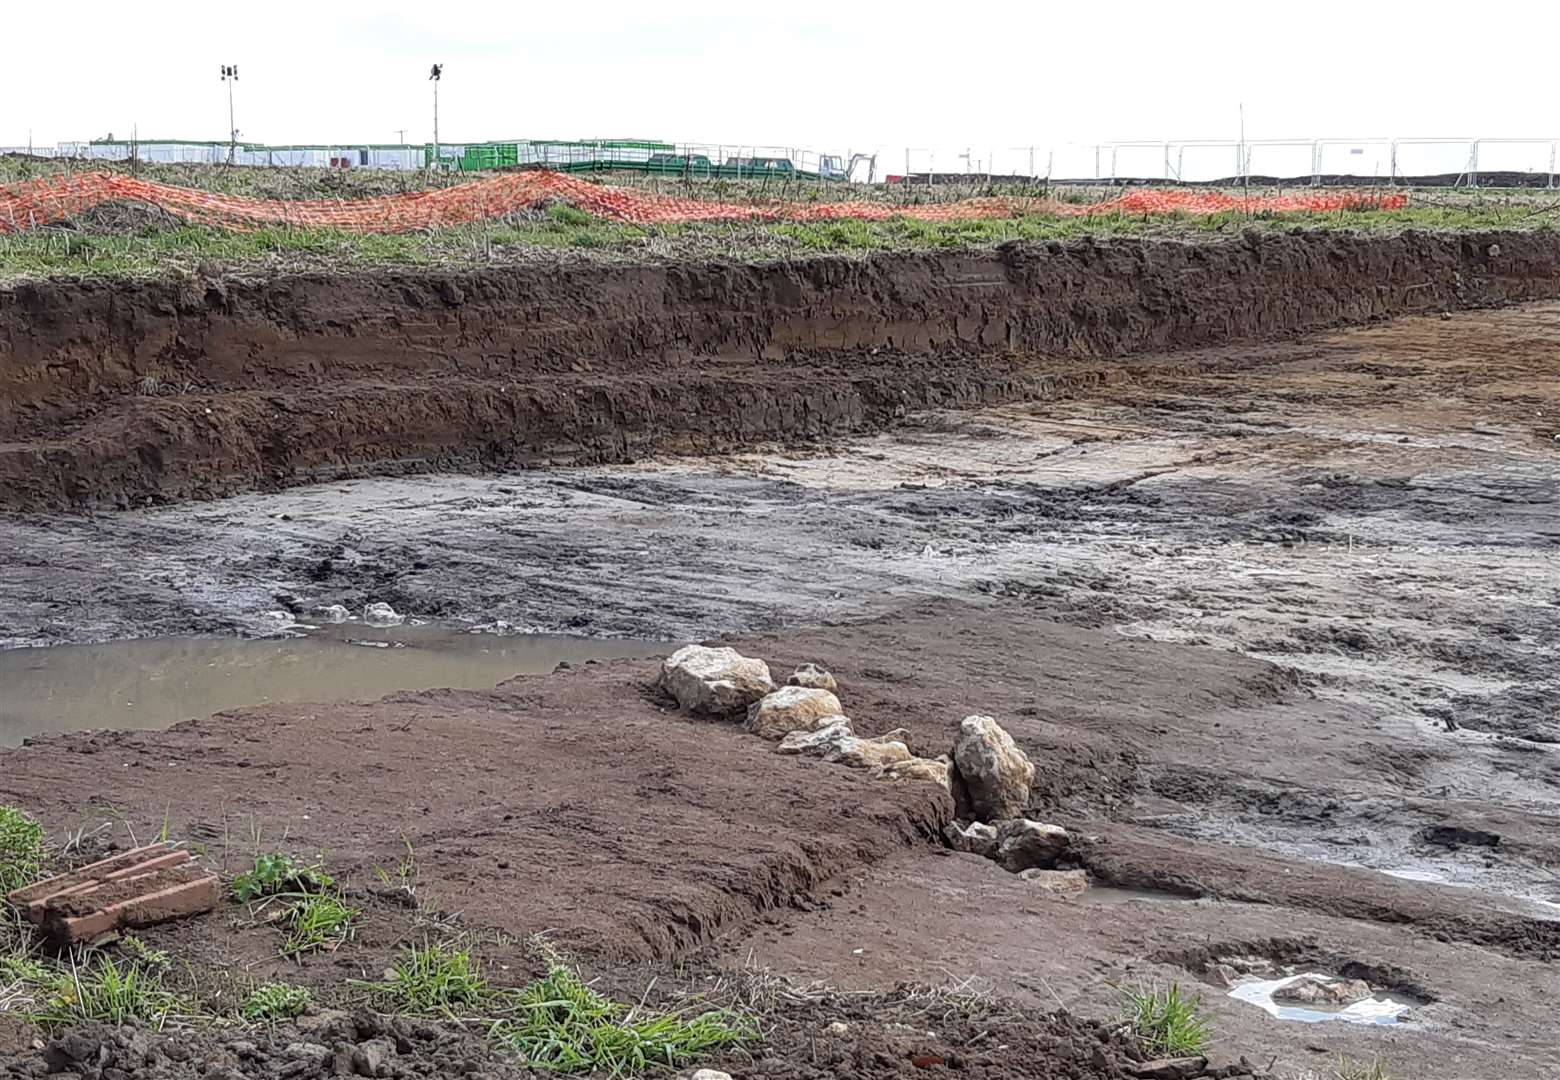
x=814, y=678
x=382, y=614
x=306, y=1051
x=858, y=753
x=1063, y=883
x=925, y=769
x=333, y=613
x=974, y=838
x=792, y=708
x=709, y=1074
x=1323, y=990
x=1184, y=1068
x=1029, y=845
x=372, y=1058
x=715, y=681
x=816, y=742
x=996, y=772
x=838, y=1029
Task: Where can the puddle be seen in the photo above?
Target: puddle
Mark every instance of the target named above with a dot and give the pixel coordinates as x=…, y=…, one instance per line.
x=1110, y=895
x=157, y=682
x=1384, y=1007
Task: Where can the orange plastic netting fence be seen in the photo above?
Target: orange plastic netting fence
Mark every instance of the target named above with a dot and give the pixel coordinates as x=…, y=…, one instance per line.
x=44, y=201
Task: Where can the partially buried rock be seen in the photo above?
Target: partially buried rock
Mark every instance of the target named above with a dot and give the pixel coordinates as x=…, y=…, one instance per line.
x=974, y=838
x=1169, y=1068
x=1029, y=845
x=382, y=614
x=995, y=771
x=814, y=678
x=1323, y=990
x=333, y=613
x=1064, y=883
x=793, y=708
x=856, y=753
x=929, y=770
x=816, y=742
x=715, y=681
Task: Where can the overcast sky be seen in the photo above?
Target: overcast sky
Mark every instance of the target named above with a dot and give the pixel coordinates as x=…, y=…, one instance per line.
x=839, y=75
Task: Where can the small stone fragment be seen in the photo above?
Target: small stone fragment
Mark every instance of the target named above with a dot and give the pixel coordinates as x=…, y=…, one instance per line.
x=1323, y=990
x=382, y=614
x=915, y=768
x=333, y=613
x=975, y=838
x=1029, y=845
x=715, y=681
x=857, y=753
x=709, y=1074
x=996, y=772
x=816, y=742
x=838, y=1029
x=1062, y=883
x=814, y=678
x=792, y=708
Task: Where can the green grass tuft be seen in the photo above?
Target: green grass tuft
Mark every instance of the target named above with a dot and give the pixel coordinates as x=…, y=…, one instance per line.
x=276, y=1001
x=1168, y=1019
x=318, y=923
x=439, y=979
x=561, y=1025
x=21, y=848
x=278, y=875
x=97, y=989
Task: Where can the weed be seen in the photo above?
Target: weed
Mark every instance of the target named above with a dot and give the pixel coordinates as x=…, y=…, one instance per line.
x=317, y=923
x=276, y=1001
x=278, y=875
x=434, y=979
x=144, y=955
x=562, y=1025
x=569, y=215
x=21, y=848
x=1168, y=1020
x=96, y=989
x=1351, y=1070
x=405, y=871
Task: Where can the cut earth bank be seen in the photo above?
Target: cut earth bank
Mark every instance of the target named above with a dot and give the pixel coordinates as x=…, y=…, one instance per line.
x=1270, y=620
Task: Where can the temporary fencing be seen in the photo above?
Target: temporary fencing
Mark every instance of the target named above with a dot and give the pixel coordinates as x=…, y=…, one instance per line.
x=48, y=200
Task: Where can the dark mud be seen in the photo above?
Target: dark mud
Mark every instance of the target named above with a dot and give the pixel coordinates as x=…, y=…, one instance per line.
x=116, y=395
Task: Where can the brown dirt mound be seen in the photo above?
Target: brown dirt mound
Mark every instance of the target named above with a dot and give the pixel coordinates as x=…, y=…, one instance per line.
x=113, y=394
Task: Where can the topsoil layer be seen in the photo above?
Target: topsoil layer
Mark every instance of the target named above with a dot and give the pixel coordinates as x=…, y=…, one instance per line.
x=120, y=394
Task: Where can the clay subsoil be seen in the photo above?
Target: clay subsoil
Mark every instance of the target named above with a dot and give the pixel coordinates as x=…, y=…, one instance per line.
x=1274, y=606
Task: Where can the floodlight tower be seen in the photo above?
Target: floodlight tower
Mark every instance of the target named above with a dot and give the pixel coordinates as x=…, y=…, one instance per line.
x=230, y=76
x=433, y=75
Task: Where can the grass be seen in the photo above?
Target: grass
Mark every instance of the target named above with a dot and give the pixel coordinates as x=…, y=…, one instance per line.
x=1168, y=1019
x=276, y=1001
x=98, y=989
x=434, y=979
x=562, y=232
x=556, y=1023
x=317, y=923
x=1351, y=1070
x=21, y=848
x=562, y=1025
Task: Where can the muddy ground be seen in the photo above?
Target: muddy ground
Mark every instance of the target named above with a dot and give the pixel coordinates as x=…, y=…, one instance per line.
x=1278, y=624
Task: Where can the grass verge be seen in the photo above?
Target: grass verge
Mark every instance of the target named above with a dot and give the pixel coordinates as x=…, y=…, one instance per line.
x=549, y=234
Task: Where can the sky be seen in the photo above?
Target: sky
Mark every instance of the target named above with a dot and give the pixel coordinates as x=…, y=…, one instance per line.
x=990, y=78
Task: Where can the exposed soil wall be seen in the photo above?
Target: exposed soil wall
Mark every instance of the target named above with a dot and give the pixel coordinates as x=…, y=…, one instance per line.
x=113, y=394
